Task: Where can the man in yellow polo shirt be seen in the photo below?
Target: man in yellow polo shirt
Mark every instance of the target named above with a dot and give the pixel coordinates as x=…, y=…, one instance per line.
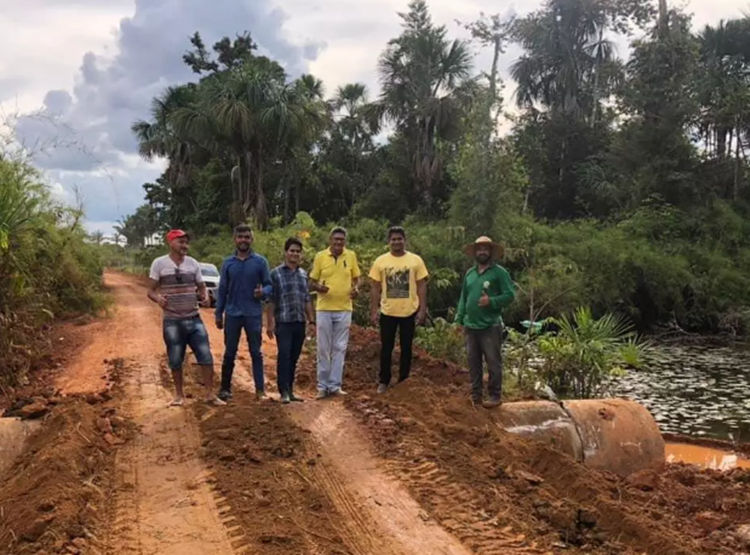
x=335, y=277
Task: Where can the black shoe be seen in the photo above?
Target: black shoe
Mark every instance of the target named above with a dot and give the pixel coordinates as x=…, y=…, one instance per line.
x=492, y=403
x=225, y=395
x=286, y=399
x=296, y=399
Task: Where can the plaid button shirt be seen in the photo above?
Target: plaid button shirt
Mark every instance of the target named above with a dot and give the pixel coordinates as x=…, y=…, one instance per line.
x=290, y=294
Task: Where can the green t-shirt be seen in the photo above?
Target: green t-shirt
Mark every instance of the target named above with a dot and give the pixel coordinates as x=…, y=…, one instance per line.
x=496, y=282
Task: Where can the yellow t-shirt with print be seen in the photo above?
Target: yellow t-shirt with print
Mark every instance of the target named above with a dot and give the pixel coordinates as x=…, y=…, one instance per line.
x=398, y=276
x=337, y=274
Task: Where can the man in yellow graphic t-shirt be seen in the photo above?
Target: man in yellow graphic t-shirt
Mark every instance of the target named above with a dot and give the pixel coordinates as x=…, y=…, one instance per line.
x=398, y=303
x=335, y=277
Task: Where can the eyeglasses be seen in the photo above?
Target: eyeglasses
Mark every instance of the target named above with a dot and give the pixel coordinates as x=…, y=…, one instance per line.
x=177, y=274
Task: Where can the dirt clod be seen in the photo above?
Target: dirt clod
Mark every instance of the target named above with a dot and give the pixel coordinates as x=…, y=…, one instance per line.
x=709, y=521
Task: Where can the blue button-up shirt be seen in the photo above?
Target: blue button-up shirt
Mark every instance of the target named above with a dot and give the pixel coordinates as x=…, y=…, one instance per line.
x=239, y=278
x=291, y=293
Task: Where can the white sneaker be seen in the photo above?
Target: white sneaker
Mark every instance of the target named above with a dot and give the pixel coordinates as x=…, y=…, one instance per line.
x=382, y=388
x=339, y=392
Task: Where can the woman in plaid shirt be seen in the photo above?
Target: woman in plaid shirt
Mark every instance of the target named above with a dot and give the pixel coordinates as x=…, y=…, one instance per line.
x=289, y=308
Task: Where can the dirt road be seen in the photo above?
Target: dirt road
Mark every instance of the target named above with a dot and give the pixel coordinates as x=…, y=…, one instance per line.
x=114, y=471
x=163, y=503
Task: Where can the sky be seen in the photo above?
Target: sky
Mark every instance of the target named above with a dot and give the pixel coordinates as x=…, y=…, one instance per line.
x=75, y=74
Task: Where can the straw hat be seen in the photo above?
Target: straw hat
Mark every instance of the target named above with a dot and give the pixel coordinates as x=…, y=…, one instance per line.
x=497, y=250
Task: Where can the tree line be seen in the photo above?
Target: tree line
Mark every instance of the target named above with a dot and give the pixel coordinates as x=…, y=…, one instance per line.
x=621, y=185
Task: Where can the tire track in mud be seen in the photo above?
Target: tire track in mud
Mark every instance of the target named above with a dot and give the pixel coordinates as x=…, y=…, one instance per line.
x=161, y=501
x=382, y=517
x=379, y=516
x=469, y=522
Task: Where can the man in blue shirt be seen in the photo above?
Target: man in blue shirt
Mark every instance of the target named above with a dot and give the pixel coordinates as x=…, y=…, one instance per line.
x=245, y=282
x=288, y=309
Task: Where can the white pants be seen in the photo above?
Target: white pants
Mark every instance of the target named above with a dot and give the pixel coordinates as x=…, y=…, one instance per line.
x=333, y=338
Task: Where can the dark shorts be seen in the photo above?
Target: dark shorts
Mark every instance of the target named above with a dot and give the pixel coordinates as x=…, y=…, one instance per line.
x=178, y=334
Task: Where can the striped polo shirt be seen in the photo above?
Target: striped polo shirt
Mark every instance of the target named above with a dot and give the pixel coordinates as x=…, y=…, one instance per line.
x=179, y=284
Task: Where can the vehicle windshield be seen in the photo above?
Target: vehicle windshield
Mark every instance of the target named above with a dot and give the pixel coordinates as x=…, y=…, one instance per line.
x=209, y=271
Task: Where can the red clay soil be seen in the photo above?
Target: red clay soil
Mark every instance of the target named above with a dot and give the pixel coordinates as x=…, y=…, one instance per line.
x=64, y=342
x=54, y=498
x=262, y=467
x=275, y=493
x=433, y=438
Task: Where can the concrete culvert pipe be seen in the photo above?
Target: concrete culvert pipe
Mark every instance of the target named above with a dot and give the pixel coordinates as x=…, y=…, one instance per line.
x=13, y=436
x=615, y=435
x=544, y=421
x=618, y=435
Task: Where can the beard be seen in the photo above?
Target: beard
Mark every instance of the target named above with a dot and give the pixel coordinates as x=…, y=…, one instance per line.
x=483, y=258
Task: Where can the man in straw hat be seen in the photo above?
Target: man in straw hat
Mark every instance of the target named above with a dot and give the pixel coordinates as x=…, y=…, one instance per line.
x=487, y=290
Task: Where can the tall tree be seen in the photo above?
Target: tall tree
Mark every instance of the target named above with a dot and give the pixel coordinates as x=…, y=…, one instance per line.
x=422, y=73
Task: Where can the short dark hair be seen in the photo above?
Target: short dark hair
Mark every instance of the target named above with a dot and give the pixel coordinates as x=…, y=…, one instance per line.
x=338, y=229
x=242, y=228
x=396, y=230
x=292, y=241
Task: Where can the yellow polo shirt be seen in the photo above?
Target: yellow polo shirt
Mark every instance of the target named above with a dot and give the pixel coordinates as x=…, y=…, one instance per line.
x=398, y=276
x=336, y=274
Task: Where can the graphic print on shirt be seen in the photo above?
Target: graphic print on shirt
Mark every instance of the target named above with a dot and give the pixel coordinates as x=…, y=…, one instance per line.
x=397, y=283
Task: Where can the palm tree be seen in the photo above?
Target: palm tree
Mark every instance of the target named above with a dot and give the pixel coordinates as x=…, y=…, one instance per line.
x=159, y=138
x=353, y=124
x=421, y=74
x=253, y=110
x=568, y=65
x=97, y=237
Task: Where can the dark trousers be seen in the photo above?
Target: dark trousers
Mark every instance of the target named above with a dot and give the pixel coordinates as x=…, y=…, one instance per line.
x=485, y=345
x=233, y=326
x=405, y=327
x=289, y=339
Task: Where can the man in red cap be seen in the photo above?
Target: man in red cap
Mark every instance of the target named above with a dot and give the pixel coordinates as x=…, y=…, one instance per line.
x=175, y=279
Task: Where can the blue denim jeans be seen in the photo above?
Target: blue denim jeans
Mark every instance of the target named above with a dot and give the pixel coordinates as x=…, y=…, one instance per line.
x=178, y=334
x=290, y=337
x=233, y=326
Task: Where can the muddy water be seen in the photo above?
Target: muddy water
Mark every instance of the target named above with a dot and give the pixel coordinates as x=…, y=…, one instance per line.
x=697, y=390
x=704, y=457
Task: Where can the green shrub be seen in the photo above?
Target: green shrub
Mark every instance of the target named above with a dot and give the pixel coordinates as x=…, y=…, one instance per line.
x=47, y=269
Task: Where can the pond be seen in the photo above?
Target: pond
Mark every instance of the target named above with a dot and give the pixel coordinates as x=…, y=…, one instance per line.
x=701, y=391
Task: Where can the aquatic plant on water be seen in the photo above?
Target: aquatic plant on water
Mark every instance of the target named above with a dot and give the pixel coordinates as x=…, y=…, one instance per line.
x=586, y=353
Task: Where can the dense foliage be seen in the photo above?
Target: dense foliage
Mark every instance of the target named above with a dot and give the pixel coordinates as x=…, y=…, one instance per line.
x=47, y=269
x=622, y=184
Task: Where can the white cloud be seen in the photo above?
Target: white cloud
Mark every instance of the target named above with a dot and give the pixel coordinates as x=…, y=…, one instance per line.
x=93, y=66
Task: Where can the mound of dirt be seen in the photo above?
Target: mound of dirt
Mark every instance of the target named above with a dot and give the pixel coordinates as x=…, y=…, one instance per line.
x=260, y=462
x=442, y=448
x=53, y=499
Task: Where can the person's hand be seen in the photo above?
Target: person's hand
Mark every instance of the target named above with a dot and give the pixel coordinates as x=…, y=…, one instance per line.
x=270, y=331
x=162, y=301
x=220, y=323
x=484, y=300
x=323, y=289
x=375, y=318
x=421, y=317
x=258, y=291
x=311, y=329
x=204, y=302
x=459, y=328
x=354, y=293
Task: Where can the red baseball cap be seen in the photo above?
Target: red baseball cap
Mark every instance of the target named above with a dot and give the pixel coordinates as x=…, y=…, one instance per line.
x=175, y=234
